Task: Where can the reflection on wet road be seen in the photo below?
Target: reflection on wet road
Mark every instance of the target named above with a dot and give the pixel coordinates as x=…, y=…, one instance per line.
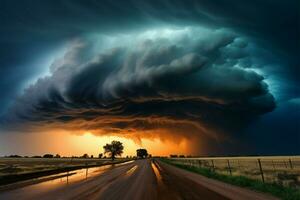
x=134, y=180
x=60, y=182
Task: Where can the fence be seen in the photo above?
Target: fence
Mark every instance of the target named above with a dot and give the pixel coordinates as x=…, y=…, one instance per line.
x=282, y=170
x=9, y=166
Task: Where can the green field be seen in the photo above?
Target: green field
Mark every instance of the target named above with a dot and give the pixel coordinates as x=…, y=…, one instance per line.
x=277, y=175
x=275, y=188
x=284, y=170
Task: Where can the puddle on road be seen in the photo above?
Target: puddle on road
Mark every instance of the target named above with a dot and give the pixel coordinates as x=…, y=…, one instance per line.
x=131, y=170
x=66, y=178
x=164, y=191
x=157, y=173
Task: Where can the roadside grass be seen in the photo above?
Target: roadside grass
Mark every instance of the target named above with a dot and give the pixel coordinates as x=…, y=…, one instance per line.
x=285, y=193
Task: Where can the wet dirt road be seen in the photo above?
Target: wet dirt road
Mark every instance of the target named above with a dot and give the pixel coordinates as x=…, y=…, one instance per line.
x=135, y=180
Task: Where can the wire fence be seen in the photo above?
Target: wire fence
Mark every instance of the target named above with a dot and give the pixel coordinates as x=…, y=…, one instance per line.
x=282, y=170
x=9, y=166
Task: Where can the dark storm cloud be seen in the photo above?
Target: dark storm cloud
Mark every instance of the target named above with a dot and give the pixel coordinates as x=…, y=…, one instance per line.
x=30, y=29
x=212, y=81
x=182, y=79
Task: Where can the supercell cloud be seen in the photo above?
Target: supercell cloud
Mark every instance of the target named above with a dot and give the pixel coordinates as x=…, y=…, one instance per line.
x=170, y=80
x=223, y=75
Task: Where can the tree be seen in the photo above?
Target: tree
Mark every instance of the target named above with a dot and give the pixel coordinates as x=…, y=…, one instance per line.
x=115, y=148
x=48, y=156
x=15, y=156
x=85, y=156
x=57, y=156
x=141, y=153
x=100, y=155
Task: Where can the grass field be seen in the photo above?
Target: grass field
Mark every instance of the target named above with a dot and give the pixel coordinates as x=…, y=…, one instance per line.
x=17, y=169
x=275, y=189
x=284, y=170
x=26, y=165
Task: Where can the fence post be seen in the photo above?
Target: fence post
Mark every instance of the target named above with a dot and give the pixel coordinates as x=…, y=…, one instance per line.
x=261, y=171
x=199, y=163
x=213, y=164
x=291, y=164
x=229, y=167
x=273, y=165
x=285, y=164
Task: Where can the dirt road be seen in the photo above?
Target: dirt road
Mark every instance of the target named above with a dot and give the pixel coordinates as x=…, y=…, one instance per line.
x=136, y=180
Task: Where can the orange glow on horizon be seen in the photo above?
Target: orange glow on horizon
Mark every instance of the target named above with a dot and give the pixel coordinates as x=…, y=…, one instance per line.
x=67, y=144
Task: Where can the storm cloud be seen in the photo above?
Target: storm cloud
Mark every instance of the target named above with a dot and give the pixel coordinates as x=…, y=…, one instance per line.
x=191, y=79
x=202, y=69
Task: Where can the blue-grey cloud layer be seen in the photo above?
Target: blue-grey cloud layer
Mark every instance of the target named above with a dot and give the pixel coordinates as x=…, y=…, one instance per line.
x=226, y=78
x=190, y=78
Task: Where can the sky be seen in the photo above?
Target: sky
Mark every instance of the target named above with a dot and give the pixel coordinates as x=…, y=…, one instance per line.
x=176, y=77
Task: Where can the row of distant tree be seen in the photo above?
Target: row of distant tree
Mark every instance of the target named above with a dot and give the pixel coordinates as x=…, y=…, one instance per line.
x=58, y=156
x=113, y=149
x=179, y=156
x=43, y=156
